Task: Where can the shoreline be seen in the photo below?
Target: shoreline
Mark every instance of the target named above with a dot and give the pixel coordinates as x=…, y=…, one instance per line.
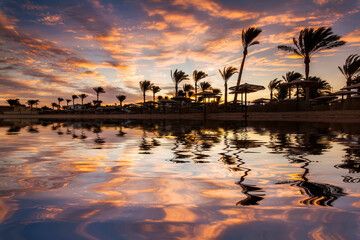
x=306, y=116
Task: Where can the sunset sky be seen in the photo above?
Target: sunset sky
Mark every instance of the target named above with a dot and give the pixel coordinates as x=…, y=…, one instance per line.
x=52, y=49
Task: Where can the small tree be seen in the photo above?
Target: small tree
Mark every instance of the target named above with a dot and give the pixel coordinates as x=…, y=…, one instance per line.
x=145, y=86
x=82, y=97
x=60, y=100
x=98, y=90
x=13, y=102
x=73, y=99
x=121, y=98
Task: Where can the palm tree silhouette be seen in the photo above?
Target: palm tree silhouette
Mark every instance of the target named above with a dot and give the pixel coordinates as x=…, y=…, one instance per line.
x=145, y=86
x=13, y=102
x=155, y=89
x=310, y=42
x=226, y=74
x=178, y=77
x=273, y=84
x=197, y=76
x=291, y=76
x=319, y=88
x=60, y=100
x=67, y=102
x=121, y=98
x=98, y=90
x=82, y=96
x=350, y=68
x=31, y=103
x=73, y=99
x=54, y=105
x=205, y=86
x=248, y=37
x=187, y=88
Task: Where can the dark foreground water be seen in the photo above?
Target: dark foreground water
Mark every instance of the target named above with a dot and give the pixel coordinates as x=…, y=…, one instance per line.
x=178, y=180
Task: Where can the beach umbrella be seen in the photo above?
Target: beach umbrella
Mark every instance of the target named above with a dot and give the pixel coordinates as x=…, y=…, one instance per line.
x=342, y=93
x=246, y=88
x=298, y=83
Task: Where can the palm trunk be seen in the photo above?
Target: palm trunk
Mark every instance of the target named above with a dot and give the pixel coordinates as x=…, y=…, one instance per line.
x=154, y=97
x=144, y=97
x=195, y=91
x=307, y=70
x=120, y=103
x=240, y=74
x=97, y=96
x=271, y=95
x=176, y=89
x=289, y=91
x=226, y=95
x=74, y=103
x=82, y=101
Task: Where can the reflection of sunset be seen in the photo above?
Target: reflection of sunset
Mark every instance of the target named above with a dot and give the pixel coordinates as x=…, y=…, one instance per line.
x=178, y=180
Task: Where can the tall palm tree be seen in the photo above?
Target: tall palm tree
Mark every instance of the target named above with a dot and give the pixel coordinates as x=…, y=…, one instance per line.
x=197, y=76
x=187, y=88
x=273, y=84
x=248, y=37
x=121, y=98
x=145, y=86
x=310, y=42
x=98, y=90
x=67, y=102
x=73, y=99
x=31, y=103
x=82, y=97
x=350, y=68
x=226, y=74
x=155, y=89
x=60, y=100
x=282, y=92
x=291, y=76
x=178, y=77
x=320, y=88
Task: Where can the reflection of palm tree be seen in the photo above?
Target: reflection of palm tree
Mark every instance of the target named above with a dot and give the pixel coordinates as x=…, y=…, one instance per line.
x=251, y=198
x=350, y=68
x=248, y=37
x=197, y=76
x=145, y=86
x=178, y=77
x=226, y=74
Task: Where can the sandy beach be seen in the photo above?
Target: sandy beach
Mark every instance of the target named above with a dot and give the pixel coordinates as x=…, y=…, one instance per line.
x=309, y=116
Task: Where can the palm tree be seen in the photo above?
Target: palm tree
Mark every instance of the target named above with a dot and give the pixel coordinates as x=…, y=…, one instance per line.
x=54, y=105
x=73, y=99
x=155, y=89
x=320, y=88
x=31, y=103
x=282, y=92
x=121, y=98
x=310, y=42
x=226, y=74
x=197, y=76
x=178, y=77
x=67, y=102
x=145, y=86
x=291, y=76
x=82, y=96
x=98, y=90
x=60, y=100
x=187, y=88
x=205, y=86
x=13, y=102
x=350, y=68
x=273, y=84
x=248, y=37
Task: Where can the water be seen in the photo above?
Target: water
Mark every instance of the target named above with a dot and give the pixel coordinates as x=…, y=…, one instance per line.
x=118, y=179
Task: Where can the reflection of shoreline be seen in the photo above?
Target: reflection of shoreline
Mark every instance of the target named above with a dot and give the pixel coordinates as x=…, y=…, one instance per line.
x=311, y=116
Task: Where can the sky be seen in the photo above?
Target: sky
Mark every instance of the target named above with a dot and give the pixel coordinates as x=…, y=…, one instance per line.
x=58, y=48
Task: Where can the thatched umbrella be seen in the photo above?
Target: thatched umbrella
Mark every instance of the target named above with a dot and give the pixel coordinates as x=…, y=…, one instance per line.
x=298, y=83
x=245, y=89
x=342, y=93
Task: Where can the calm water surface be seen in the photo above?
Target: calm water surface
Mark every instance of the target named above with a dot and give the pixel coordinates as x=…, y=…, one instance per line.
x=178, y=180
